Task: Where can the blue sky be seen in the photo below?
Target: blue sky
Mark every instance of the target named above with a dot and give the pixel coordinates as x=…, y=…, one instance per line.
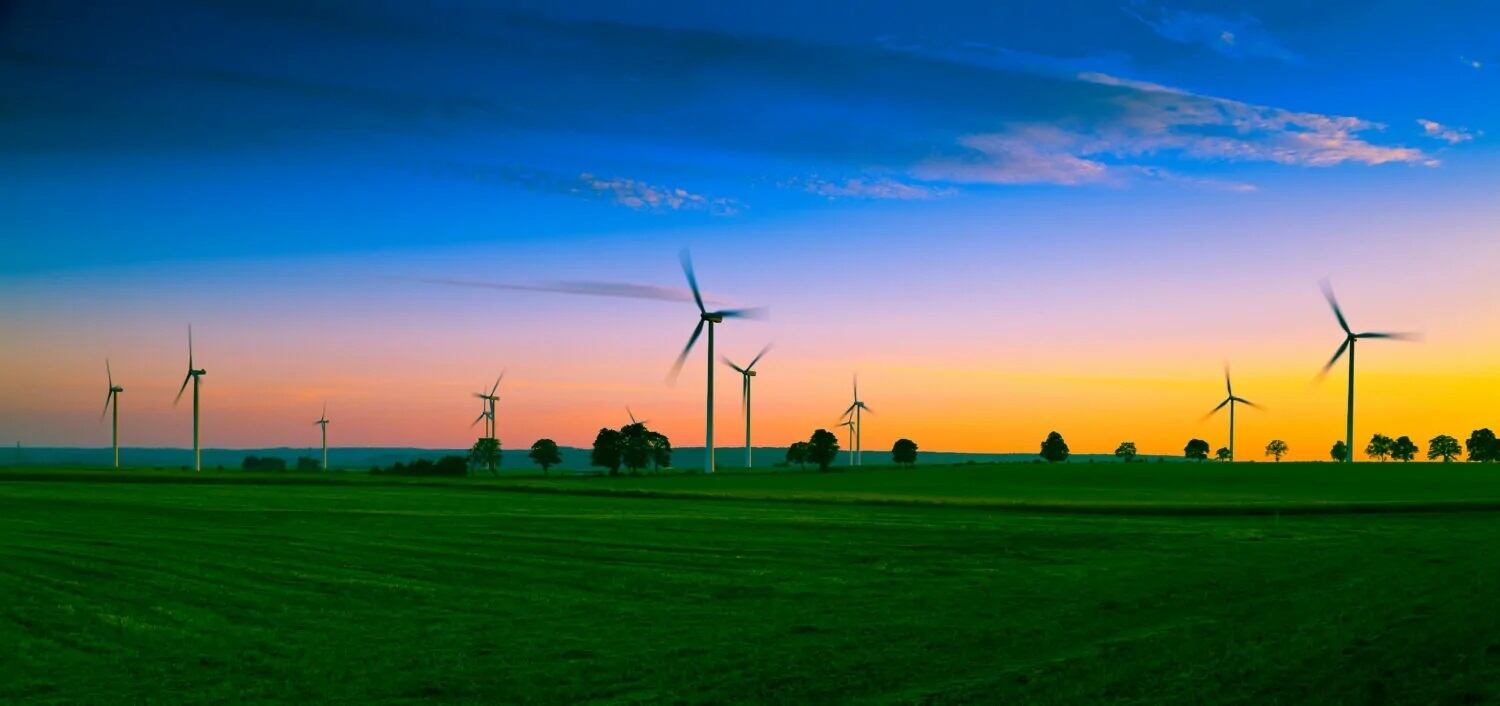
x=158, y=131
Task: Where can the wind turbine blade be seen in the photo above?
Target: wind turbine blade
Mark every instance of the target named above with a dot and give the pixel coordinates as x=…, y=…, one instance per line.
x=1397, y=336
x=731, y=364
x=692, y=278
x=754, y=312
x=757, y=357
x=1215, y=410
x=109, y=373
x=631, y=415
x=107, y=397
x=478, y=419
x=682, y=358
x=1228, y=387
x=856, y=388
x=849, y=411
x=1334, y=302
x=190, y=346
x=182, y=389
x=497, y=383
x=744, y=395
x=1247, y=403
x=1336, y=355
x=866, y=408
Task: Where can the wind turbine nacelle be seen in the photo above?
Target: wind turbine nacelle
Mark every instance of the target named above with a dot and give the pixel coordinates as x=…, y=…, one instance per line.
x=750, y=373
x=714, y=318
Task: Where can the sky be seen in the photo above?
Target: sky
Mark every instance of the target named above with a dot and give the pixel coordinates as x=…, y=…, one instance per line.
x=1006, y=218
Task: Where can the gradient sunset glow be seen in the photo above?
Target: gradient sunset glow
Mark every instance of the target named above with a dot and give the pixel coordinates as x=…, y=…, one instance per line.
x=1006, y=221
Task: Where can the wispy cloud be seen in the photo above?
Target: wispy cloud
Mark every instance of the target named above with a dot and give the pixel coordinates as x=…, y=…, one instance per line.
x=1447, y=133
x=1472, y=63
x=1239, y=37
x=1154, y=120
x=642, y=196
x=884, y=188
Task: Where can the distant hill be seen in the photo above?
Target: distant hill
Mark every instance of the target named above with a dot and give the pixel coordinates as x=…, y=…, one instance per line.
x=363, y=458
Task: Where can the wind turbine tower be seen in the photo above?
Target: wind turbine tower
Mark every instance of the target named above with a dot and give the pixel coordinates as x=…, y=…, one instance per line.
x=747, y=373
x=1230, y=400
x=323, y=422
x=1350, y=337
x=194, y=375
x=112, y=401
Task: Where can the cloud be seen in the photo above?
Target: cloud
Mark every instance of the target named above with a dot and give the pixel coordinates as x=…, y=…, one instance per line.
x=884, y=188
x=1471, y=63
x=642, y=196
x=1238, y=37
x=1023, y=154
x=1449, y=134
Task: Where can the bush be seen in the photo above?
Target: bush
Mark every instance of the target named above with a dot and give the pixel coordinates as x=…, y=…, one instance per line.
x=256, y=463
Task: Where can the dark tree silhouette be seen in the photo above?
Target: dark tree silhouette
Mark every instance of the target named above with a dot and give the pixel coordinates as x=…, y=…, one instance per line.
x=486, y=454
x=1276, y=449
x=1483, y=446
x=606, y=451
x=1404, y=449
x=661, y=450
x=263, y=463
x=452, y=465
x=904, y=452
x=1379, y=447
x=308, y=463
x=1054, y=449
x=635, y=446
x=545, y=453
x=1443, y=447
x=1125, y=451
x=797, y=453
x=1196, y=449
x=822, y=448
x=1339, y=452
x=1222, y=454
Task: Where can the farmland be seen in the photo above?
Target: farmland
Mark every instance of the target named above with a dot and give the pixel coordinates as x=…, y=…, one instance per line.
x=880, y=585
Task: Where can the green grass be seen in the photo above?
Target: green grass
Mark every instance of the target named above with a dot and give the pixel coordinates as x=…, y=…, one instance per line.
x=276, y=589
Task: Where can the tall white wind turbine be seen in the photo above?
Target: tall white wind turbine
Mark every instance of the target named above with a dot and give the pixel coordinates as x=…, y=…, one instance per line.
x=488, y=403
x=1350, y=337
x=747, y=372
x=856, y=409
x=194, y=375
x=849, y=425
x=112, y=401
x=323, y=422
x=1230, y=400
x=706, y=318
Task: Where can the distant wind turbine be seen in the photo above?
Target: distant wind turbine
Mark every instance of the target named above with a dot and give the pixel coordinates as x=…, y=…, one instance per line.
x=323, y=422
x=633, y=420
x=706, y=318
x=747, y=372
x=855, y=409
x=112, y=401
x=488, y=403
x=194, y=375
x=850, y=429
x=1230, y=400
x=1350, y=337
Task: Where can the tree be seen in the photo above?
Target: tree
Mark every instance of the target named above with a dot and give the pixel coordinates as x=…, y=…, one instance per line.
x=1196, y=449
x=1483, y=447
x=1379, y=447
x=1403, y=449
x=1276, y=449
x=1222, y=454
x=1443, y=447
x=545, y=453
x=308, y=463
x=1339, y=452
x=486, y=454
x=1054, y=449
x=1125, y=451
x=904, y=451
x=451, y=465
x=797, y=453
x=661, y=450
x=263, y=463
x=606, y=451
x=822, y=448
x=635, y=447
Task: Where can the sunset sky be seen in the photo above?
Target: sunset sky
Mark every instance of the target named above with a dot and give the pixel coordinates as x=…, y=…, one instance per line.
x=1007, y=218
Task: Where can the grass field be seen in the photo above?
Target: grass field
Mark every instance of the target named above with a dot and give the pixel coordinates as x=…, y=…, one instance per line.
x=269, y=589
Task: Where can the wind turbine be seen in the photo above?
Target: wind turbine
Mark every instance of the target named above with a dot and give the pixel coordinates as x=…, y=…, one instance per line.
x=1230, y=400
x=489, y=401
x=323, y=422
x=850, y=425
x=195, y=375
x=633, y=420
x=1350, y=337
x=855, y=409
x=112, y=397
x=706, y=318
x=747, y=372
